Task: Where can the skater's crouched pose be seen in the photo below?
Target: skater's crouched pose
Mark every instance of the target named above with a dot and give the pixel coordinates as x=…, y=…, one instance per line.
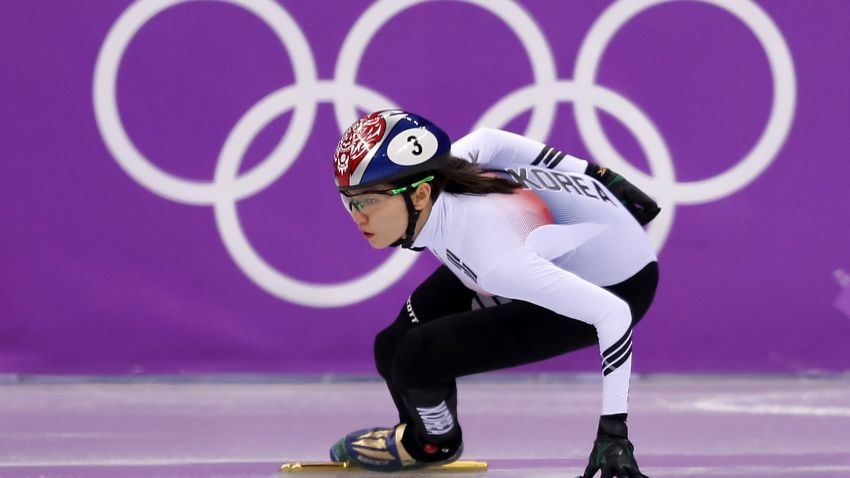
x=542, y=254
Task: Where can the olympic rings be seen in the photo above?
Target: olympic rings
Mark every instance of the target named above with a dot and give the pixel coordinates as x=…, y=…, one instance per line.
x=542, y=97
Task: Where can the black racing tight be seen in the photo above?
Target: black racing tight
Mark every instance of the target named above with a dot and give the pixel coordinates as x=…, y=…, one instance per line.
x=437, y=338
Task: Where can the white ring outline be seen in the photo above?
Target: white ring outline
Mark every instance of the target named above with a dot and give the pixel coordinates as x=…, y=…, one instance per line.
x=753, y=163
x=225, y=189
x=145, y=172
x=249, y=261
x=526, y=29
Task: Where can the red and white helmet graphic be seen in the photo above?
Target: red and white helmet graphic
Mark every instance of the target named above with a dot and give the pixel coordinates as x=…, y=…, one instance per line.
x=386, y=145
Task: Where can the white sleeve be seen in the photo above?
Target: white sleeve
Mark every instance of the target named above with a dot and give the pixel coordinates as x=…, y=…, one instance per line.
x=522, y=274
x=497, y=149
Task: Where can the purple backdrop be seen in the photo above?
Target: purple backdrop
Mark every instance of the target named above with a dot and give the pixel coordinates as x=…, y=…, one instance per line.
x=152, y=224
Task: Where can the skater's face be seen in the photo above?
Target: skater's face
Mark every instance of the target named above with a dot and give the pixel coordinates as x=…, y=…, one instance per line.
x=382, y=217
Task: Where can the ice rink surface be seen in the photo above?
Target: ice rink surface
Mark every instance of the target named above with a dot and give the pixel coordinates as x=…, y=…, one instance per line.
x=541, y=426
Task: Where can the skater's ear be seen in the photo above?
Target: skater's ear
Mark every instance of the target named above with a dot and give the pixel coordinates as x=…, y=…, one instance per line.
x=421, y=196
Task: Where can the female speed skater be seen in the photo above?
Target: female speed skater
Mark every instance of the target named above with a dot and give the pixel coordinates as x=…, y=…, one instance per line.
x=542, y=254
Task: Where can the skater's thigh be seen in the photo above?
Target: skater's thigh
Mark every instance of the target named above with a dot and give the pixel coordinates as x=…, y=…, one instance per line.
x=488, y=339
x=441, y=294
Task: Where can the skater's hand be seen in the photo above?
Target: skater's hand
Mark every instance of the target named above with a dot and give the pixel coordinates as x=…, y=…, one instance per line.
x=612, y=452
x=641, y=206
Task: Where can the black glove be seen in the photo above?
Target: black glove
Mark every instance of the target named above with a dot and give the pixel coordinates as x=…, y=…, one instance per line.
x=612, y=452
x=642, y=207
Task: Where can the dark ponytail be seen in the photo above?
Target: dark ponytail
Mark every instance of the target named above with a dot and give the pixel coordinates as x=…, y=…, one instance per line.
x=458, y=176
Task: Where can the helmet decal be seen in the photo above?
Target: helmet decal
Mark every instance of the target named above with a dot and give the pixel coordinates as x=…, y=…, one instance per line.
x=412, y=146
x=356, y=143
x=386, y=145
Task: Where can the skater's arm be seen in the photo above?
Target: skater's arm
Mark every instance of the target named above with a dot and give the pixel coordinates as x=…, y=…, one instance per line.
x=522, y=274
x=496, y=149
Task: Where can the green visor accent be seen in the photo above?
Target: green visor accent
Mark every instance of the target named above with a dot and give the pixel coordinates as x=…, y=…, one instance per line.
x=415, y=185
x=366, y=201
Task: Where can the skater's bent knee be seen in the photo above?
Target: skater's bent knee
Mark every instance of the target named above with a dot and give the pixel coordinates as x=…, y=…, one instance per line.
x=386, y=343
x=410, y=368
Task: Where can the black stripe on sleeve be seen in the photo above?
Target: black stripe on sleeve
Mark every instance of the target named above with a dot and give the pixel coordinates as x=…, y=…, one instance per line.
x=540, y=156
x=618, y=363
x=452, y=256
x=613, y=358
x=611, y=349
x=551, y=154
x=556, y=160
x=472, y=275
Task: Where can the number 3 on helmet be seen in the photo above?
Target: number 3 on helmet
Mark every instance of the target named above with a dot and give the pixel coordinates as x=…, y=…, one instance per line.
x=388, y=145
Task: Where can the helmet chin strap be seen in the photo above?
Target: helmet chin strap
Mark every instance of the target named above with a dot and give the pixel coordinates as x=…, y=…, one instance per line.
x=406, y=241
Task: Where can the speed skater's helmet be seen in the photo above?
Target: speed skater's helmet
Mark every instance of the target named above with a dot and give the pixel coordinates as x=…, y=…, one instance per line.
x=388, y=145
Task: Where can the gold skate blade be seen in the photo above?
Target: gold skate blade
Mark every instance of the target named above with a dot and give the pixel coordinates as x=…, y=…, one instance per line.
x=307, y=466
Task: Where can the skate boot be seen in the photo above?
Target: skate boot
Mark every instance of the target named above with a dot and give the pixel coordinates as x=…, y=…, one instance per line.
x=380, y=449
